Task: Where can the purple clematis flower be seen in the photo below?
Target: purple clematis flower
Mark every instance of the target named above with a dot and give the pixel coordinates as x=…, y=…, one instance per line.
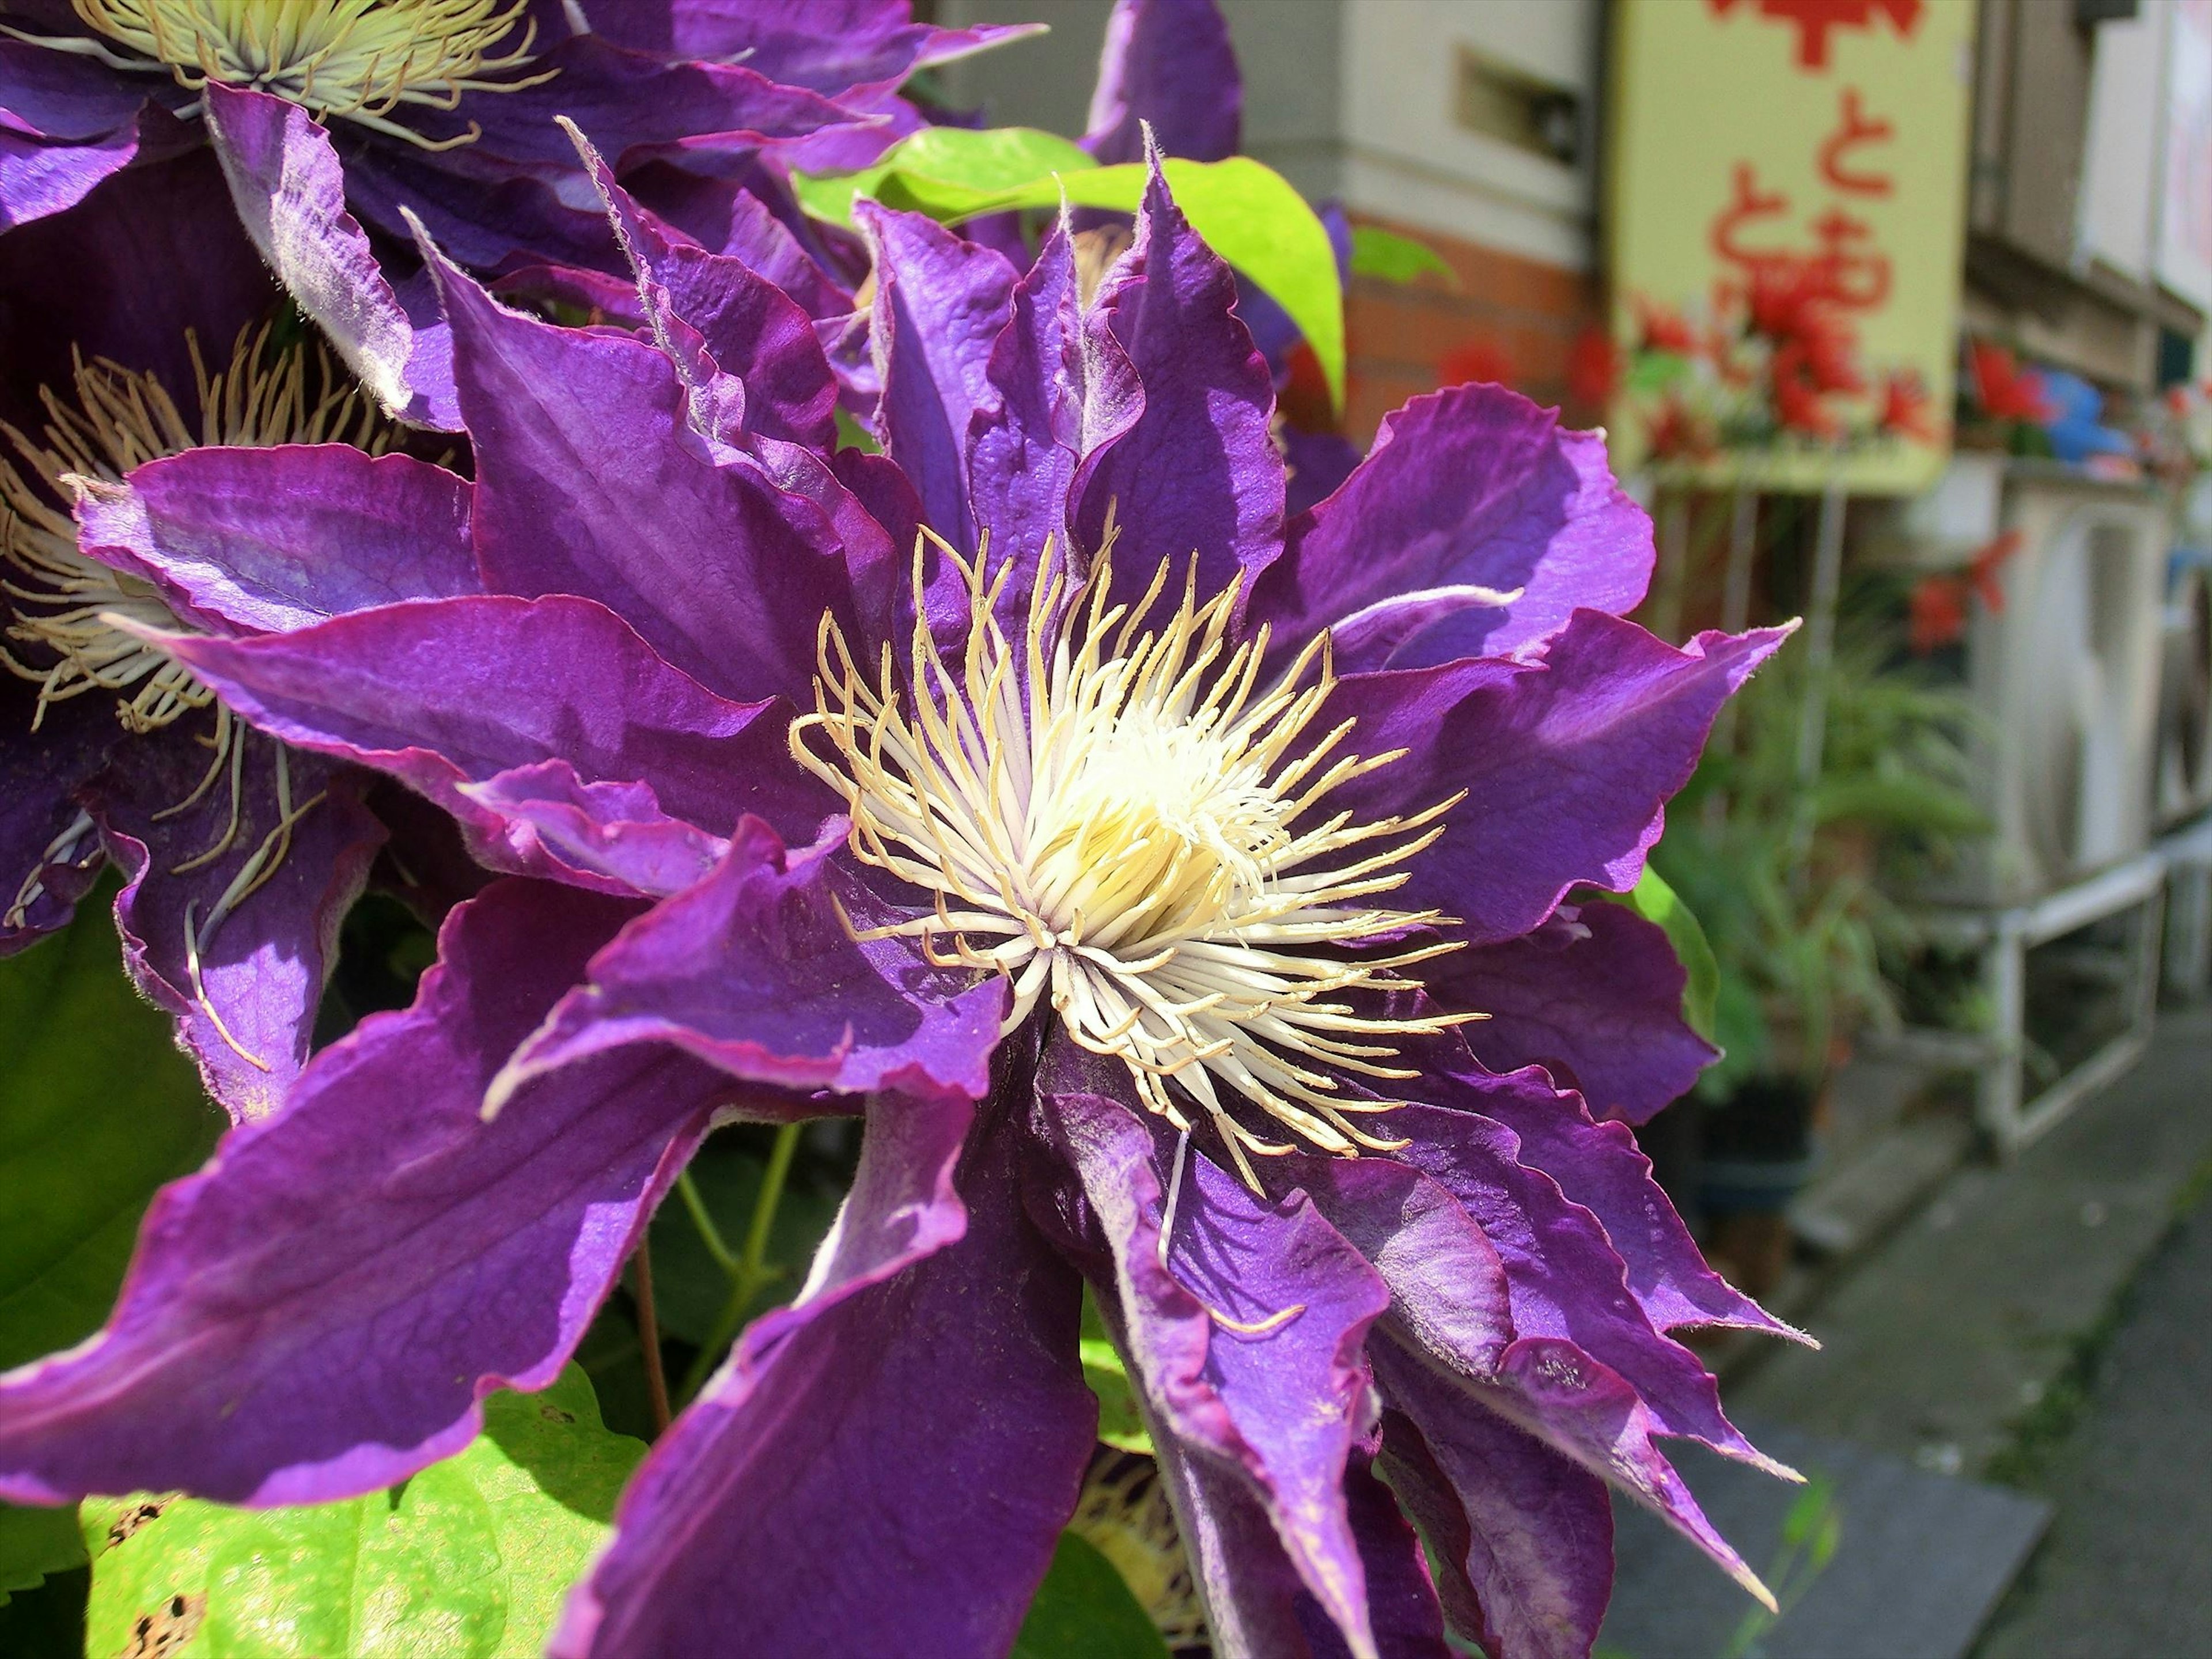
x=240, y=855
x=1104, y=854
x=328, y=118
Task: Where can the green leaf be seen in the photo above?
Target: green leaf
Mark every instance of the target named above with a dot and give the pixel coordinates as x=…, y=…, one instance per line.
x=1652, y=899
x=1083, y=1610
x=690, y=1286
x=1654, y=370
x=948, y=173
x=97, y=1109
x=468, y=1560
x=33, y=1543
x=1396, y=259
x=1248, y=213
x=1121, y=1425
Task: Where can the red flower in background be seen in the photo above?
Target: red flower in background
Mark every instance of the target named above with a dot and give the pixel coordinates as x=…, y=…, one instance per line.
x=1938, y=613
x=1478, y=360
x=1595, y=367
x=1907, y=411
x=1660, y=328
x=1938, y=603
x=2005, y=391
x=1677, y=432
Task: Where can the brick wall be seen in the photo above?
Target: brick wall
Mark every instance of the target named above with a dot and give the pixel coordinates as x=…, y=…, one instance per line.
x=1402, y=339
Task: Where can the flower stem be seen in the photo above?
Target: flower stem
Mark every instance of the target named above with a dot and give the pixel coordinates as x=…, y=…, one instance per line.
x=709, y=1234
x=752, y=1271
x=648, y=1337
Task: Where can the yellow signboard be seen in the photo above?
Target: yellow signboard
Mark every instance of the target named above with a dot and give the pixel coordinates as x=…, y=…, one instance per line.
x=1788, y=207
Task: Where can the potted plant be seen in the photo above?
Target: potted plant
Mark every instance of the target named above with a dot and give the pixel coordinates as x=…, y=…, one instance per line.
x=1791, y=885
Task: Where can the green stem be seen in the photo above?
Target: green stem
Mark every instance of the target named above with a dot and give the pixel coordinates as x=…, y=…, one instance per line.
x=709, y=1234
x=752, y=1272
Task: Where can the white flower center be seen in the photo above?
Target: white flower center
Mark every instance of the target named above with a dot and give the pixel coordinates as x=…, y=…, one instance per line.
x=356, y=59
x=1116, y=815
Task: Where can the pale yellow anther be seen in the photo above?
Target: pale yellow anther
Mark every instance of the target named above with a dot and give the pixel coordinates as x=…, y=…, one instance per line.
x=355, y=60
x=1132, y=826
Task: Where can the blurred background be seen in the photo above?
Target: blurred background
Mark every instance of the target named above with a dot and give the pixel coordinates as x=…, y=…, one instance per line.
x=1895, y=314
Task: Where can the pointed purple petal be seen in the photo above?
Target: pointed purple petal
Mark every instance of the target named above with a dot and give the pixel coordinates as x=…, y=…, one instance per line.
x=712, y=314
x=1600, y=1167
x=49, y=853
x=940, y=304
x=1525, y=1535
x=242, y=540
x=1477, y=515
x=247, y=1015
x=289, y=191
x=1167, y=63
x=754, y=971
x=447, y=692
x=913, y=1431
x=1594, y=995
x=1198, y=471
x=1567, y=1280
x=318, y=1312
x=1278, y=1407
x=593, y=478
x=1566, y=762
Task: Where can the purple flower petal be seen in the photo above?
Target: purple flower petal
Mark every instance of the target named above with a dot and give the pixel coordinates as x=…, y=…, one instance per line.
x=753, y=970
x=1167, y=63
x=66, y=123
x=50, y=855
x=318, y=1312
x=1198, y=471
x=940, y=303
x=1478, y=513
x=631, y=101
x=830, y=46
x=1565, y=761
x=1524, y=1536
x=248, y=1012
x=592, y=479
x=82, y=282
x=289, y=191
x=1594, y=995
x=711, y=314
x=1054, y=398
x=447, y=692
x=1599, y=1166
x=1566, y=1279
x=1276, y=1406
x=610, y=830
x=241, y=540
x=884, y=1466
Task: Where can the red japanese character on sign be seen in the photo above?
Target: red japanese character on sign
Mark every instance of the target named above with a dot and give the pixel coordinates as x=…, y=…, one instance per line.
x=1815, y=18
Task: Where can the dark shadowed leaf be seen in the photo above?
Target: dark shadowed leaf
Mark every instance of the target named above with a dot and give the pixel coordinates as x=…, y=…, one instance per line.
x=97, y=1109
x=1082, y=1610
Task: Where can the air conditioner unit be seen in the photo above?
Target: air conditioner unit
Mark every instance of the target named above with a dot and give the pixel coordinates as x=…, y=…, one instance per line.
x=2185, y=696
x=2066, y=675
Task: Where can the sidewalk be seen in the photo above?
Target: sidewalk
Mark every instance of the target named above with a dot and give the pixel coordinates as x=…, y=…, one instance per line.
x=1953, y=1357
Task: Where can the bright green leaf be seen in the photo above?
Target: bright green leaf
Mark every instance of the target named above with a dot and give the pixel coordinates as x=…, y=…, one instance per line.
x=1083, y=1610
x=1656, y=903
x=948, y=173
x=1248, y=213
x=470, y=1559
x=1396, y=259
x=1120, y=1425
x=33, y=1543
x=1654, y=370
x=97, y=1109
